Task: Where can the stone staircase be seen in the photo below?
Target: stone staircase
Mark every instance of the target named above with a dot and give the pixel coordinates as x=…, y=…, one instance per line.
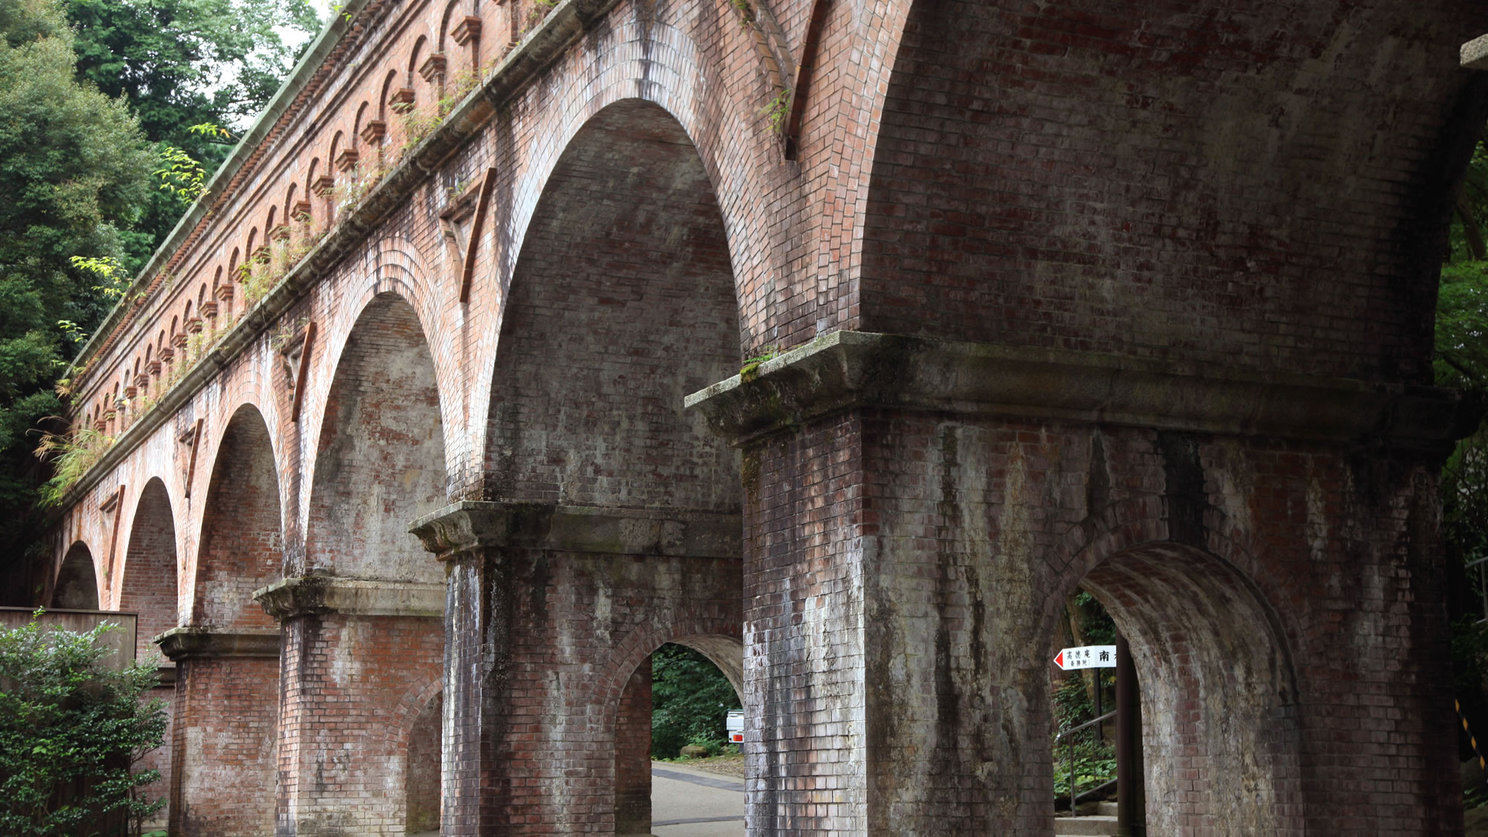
x=1098, y=820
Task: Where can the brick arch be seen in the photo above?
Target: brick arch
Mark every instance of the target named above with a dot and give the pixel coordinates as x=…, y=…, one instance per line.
x=76, y=584
x=736, y=149
x=419, y=741
x=1222, y=738
x=380, y=460
x=715, y=637
x=241, y=544
x=149, y=584
x=1012, y=222
x=395, y=267
x=624, y=281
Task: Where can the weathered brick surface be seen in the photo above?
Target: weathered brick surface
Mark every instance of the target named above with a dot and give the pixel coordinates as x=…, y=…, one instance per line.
x=633, y=755
x=355, y=686
x=223, y=747
x=1228, y=191
x=582, y=625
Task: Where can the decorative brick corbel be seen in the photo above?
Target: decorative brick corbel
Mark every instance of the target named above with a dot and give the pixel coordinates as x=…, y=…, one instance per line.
x=466, y=30
x=311, y=595
x=433, y=68
x=374, y=131
x=195, y=642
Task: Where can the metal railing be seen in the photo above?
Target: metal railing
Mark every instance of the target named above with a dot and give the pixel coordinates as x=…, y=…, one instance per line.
x=1069, y=735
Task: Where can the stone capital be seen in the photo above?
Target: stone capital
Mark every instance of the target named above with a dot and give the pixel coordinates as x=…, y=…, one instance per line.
x=469, y=526
x=847, y=369
x=198, y=642
x=315, y=594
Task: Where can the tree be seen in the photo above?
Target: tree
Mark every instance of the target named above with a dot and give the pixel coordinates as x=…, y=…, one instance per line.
x=184, y=63
x=690, y=700
x=73, y=170
x=71, y=731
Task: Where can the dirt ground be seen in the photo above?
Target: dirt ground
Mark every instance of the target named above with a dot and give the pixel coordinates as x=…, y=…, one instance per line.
x=723, y=765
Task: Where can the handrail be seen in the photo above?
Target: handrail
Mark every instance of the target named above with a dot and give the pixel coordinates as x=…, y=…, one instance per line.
x=1090, y=723
x=1075, y=797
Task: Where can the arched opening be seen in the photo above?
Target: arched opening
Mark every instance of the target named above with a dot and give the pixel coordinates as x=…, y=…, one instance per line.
x=680, y=696
x=421, y=792
x=624, y=283
x=77, y=583
x=380, y=464
x=1016, y=198
x=226, y=720
x=1220, y=739
x=149, y=589
x=241, y=542
x=621, y=303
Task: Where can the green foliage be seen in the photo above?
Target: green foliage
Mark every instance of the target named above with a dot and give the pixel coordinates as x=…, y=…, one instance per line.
x=1094, y=765
x=690, y=701
x=1096, y=625
x=73, y=170
x=777, y=109
x=1094, y=759
x=69, y=723
x=181, y=65
x=70, y=456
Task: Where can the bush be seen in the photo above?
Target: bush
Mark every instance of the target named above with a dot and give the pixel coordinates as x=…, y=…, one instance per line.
x=71, y=731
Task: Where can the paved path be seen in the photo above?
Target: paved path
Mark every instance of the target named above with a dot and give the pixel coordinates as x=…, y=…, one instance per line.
x=686, y=802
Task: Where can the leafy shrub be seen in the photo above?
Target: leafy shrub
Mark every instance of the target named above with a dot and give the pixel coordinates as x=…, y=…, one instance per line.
x=71, y=731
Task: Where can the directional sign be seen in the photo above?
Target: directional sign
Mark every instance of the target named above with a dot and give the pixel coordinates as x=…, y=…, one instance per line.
x=1087, y=656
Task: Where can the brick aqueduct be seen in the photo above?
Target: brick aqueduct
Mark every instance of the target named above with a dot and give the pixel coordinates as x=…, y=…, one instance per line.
x=444, y=410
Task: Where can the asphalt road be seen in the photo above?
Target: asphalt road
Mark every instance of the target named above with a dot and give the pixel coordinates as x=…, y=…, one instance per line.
x=693, y=803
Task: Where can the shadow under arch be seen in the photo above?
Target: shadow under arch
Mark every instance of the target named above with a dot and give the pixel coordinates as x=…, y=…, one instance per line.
x=1221, y=733
x=624, y=282
x=380, y=458
x=150, y=588
x=76, y=587
x=621, y=303
x=149, y=585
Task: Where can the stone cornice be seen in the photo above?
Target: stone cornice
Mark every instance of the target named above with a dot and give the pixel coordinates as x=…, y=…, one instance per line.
x=200, y=642
x=848, y=369
x=316, y=594
x=471, y=525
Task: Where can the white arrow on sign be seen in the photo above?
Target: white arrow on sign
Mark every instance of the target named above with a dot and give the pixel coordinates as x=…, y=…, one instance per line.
x=1086, y=656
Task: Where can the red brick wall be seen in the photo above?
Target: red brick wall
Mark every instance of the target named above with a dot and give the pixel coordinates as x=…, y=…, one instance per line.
x=1236, y=184
x=224, y=744
x=633, y=755
x=582, y=625
x=354, y=687
x=966, y=538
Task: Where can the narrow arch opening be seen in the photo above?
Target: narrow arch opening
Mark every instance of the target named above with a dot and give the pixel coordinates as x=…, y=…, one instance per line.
x=1220, y=736
x=422, y=772
x=676, y=706
x=77, y=583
